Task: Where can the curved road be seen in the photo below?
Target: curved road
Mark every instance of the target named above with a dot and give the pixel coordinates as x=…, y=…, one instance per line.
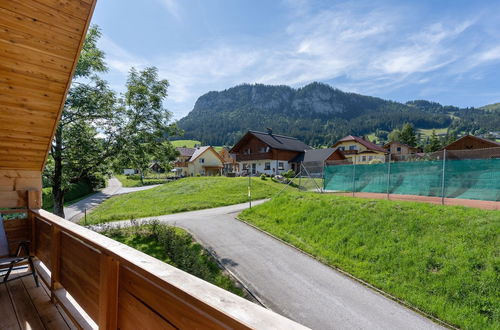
x=75, y=212
x=288, y=281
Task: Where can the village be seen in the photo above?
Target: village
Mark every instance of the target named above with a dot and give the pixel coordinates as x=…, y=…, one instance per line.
x=265, y=153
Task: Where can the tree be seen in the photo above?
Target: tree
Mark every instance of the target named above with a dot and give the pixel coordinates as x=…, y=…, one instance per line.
x=84, y=136
x=407, y=135
x=146, y=132
x=434, y=143
x=394, y=135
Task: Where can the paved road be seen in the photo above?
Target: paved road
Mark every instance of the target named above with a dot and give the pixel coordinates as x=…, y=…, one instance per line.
x=289, y=282
x=75, y=212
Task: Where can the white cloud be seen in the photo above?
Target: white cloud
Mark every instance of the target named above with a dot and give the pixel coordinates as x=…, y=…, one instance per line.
x=172, y=7
x=368, y=49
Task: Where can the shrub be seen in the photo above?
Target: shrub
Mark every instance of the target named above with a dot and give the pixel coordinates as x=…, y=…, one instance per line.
x=289, y=174
x=263, y=177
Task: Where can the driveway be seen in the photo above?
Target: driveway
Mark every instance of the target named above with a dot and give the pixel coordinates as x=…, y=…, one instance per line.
x=76, y=211
x=288, y=281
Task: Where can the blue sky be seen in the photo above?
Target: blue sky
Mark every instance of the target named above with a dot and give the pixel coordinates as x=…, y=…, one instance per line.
x=444, y=51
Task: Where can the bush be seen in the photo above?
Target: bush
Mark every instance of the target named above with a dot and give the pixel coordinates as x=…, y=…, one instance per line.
x=175, y=247
x=75, y=191
x=263, y=177
x=289, y=174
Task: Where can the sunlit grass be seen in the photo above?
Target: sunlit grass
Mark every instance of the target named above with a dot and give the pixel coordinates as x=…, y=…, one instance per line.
x=444, y=260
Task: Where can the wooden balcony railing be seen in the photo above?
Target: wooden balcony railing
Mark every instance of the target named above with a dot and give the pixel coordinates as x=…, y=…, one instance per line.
x=255, y=156
x=102, y=283
x=180, y=164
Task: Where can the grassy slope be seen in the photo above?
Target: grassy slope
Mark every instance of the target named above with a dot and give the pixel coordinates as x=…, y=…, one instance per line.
x=182, y=195
x=444, y=260
x=185, y=143
x=428, y=132
x=135, y=181
x=176, y=247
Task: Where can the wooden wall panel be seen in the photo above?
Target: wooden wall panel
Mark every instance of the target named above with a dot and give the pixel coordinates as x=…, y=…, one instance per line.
x=14, y=185
x=43, y=242
x=80, y=273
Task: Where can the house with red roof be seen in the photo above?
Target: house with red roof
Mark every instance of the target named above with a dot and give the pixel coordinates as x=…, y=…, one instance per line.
x=360, y=151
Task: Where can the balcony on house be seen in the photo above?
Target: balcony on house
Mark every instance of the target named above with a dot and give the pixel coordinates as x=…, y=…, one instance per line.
x=87, y=280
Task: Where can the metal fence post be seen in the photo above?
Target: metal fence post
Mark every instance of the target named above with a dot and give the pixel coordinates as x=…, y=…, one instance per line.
x=442, y=177
x=353, y=175
x=389, y=176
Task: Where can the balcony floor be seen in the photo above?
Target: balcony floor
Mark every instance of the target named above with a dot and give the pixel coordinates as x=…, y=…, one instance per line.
x=24, y=306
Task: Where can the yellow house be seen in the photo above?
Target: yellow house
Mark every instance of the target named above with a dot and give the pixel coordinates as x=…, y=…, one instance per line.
x=360, y=151
x=201, y=160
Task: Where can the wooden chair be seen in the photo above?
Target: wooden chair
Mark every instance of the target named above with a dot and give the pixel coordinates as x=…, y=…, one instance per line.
x=11, y=261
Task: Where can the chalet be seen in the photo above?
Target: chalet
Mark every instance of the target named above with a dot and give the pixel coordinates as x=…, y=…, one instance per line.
x=472, y=147
x=87, y=280
x=360, y=151
x=198, y=161
x=267, y=153
x=469, y=142
x=401, y=151
x=231, y=166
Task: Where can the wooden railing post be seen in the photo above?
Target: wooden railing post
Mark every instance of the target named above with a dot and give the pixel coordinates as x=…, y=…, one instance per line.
x=108, y=292
x=55, y=261
x=32, y=202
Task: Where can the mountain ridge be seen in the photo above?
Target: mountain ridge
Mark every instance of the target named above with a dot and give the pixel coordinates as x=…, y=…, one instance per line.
x=317, y=113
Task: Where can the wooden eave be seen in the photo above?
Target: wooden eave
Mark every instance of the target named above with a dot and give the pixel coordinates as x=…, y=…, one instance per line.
x=40, y=42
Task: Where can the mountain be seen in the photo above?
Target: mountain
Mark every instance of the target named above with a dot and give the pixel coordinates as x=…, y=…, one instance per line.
x=317, y=113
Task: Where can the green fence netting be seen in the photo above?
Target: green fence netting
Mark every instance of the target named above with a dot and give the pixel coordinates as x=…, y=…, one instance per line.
x=465, y=178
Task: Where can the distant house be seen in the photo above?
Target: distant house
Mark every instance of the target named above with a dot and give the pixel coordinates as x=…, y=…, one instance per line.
x=471, y=142
x=400, y=151
x=201, y=160
x=360, y=151
x=472, y=147
x=267, y=153
x=230, y=165
x=316, y=158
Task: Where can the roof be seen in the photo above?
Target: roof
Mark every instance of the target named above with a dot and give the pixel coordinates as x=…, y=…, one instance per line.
x=314, y=155
x=201, y=150
x=186, y=152
x=477, y=138
x=367, y=144
x=275, y=141
x=41, y=42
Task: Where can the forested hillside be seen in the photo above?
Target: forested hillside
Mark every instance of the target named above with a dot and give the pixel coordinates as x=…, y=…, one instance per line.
x=318, y=114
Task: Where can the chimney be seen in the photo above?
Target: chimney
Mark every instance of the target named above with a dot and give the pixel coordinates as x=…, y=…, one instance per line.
x=269, y=131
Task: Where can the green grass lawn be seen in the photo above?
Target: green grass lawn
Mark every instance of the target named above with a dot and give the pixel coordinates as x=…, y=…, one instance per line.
x=175, y=247
x=428, y=132
x=182, y=195
x=135, y=180
x=185, y=143
x=444, y=260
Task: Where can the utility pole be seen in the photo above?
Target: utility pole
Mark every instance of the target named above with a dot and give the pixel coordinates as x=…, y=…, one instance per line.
x=250, y=189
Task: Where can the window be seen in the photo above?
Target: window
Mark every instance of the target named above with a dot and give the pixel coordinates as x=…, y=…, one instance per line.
x=341, y=148
x=281, y=166
x=370, y=158
x=398, y=149
x=363, y=159
x=263, y=149
x=245, y=167
x=247, y=151
x=267, y=166
x=202, y=160
x=353, y=148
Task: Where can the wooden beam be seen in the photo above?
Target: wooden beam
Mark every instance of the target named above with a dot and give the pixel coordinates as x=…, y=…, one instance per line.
x=108, y=292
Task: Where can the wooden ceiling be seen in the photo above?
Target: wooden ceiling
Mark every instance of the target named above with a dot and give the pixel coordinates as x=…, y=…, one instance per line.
x=40, y=41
